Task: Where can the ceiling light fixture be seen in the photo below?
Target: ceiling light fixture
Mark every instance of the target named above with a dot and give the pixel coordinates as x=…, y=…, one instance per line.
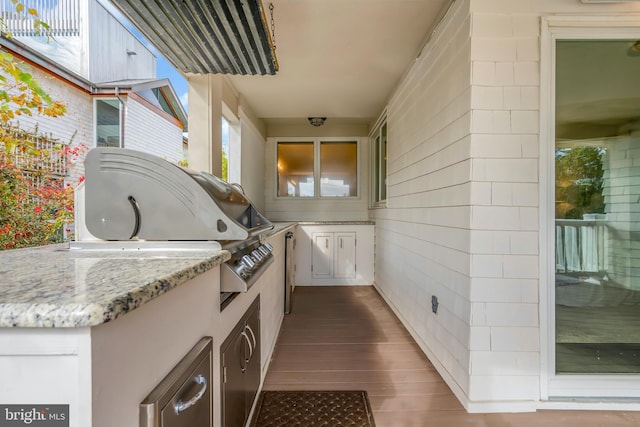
x=317, y=121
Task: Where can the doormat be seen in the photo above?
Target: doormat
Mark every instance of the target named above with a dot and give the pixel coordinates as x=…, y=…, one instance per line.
x=313, y=408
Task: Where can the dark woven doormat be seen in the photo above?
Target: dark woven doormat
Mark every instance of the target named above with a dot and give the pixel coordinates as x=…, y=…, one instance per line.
x=313, y=408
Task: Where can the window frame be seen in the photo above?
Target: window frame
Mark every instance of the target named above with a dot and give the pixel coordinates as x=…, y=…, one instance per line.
x=553, y=385
x=376, y=159
x=316, y=167
x=234, y=160
x=95, y=118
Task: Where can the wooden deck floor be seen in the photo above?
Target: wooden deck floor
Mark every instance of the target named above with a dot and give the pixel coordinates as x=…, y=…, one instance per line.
x=347, y=338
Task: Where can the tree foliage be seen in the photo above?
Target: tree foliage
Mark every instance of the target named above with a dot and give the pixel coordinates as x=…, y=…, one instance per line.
x=34, y=206
x=579, y=181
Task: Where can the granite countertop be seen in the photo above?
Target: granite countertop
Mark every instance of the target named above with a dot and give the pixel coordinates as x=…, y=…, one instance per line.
x=279, y=227
x=52, y=286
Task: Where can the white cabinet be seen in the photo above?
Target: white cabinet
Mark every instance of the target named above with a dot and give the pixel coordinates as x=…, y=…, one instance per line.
x=333, y=255
x=345, y=256
x=336, y=254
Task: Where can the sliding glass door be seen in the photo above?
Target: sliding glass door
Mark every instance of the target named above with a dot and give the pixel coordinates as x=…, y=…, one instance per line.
x=597, y=207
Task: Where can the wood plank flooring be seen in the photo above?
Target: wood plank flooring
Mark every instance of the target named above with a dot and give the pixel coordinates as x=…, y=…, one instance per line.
x=347, y=338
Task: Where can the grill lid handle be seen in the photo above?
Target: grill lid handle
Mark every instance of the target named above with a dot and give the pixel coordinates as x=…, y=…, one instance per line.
x=136, y=213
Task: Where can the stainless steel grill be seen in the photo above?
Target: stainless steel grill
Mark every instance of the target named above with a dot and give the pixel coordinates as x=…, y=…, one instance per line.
x=135, y=200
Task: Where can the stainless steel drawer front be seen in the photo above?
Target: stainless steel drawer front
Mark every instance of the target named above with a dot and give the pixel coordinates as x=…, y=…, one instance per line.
x=183, y=397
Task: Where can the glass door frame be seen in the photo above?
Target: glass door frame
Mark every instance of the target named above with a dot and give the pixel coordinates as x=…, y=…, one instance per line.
x=619, y=388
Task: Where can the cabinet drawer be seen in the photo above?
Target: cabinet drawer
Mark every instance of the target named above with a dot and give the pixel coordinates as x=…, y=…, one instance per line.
x=183, y=397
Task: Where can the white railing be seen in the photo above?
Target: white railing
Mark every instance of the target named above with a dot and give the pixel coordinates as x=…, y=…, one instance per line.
x=580, y=245
x=62, y=17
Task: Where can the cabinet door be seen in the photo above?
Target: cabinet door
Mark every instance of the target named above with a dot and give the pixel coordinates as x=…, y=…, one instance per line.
x=252, y=374
x=233, y=380
x=322, y=255
x=345, y=259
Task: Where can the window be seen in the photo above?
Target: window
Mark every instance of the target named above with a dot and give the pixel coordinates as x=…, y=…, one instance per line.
x=379, y=163
x=339, y=169
x=588, y=146
x=231, y=150
x=225, y=150
x=107, y=122
x=334, y=174
x=295, y=169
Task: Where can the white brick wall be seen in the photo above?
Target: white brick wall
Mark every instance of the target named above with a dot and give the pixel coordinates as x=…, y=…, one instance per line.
x=423, y=236
x=146, y=130
x=76, y=126
x=462, y=217
x=462, y=210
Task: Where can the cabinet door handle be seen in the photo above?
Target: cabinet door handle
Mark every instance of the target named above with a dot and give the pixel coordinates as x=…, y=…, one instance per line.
x=253, y=338
x=181, y=406
x=245, y=359
x=341, y=243
x=326, y=243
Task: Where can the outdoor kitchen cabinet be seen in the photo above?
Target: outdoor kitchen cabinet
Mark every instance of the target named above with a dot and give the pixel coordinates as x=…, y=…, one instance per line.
x=334, y=254
x=241, y=368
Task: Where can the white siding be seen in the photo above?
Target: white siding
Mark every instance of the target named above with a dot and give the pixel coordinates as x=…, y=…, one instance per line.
x=423, y=236
x=109, y=42
x=146, y=130
x=462, y=216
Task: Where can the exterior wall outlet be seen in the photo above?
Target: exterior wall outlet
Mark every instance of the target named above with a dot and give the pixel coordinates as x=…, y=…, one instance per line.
x=434, y=304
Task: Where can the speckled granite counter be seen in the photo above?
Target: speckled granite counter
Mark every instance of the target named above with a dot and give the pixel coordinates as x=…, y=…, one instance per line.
x=280, y=227
x=55, y=287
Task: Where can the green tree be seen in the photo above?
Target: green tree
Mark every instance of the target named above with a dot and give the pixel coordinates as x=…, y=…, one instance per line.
x=33, y=207
x=579, y=181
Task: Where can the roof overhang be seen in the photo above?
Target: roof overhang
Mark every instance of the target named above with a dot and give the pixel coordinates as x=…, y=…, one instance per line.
x=140, y=85
x=204, y=36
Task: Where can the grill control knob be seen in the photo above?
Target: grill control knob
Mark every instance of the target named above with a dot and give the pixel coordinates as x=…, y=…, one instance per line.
x=268, y=246
x=247, y=262
x=257, y=255
x=263, y=250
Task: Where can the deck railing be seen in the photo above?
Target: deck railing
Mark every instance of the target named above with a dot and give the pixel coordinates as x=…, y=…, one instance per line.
x=61, y=16
x=580, y=245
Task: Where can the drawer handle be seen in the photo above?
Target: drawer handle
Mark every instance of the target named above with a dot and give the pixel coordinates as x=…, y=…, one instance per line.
x=246, y=359
x=253, y=337
x=181, y=406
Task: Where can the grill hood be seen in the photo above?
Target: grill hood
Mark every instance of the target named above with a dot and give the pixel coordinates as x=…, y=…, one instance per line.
x=134, y=195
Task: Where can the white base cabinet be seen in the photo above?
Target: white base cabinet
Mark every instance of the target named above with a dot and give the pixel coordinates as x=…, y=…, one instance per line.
x=336, y=254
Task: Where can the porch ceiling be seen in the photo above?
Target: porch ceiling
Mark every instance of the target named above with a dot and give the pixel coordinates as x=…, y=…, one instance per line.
x=338, y=59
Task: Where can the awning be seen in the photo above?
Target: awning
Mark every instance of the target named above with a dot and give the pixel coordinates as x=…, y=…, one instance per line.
x=206, y=36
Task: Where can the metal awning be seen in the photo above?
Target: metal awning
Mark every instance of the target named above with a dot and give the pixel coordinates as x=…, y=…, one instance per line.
x=206, y=36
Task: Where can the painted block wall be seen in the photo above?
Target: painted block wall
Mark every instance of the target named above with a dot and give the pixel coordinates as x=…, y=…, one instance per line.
x=463, y=209
x=423, y=236
x=504, y=323
x=146, y=130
